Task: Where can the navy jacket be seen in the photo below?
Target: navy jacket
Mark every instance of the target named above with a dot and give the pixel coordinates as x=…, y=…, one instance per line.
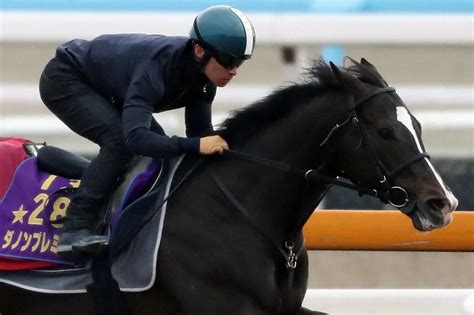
x=145, y=74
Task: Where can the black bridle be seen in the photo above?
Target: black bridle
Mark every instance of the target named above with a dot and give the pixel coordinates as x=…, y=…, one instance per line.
x=390, y=194
x=395, y=195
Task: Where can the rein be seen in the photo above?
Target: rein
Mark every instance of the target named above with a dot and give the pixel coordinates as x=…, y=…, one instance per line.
x=395, y=195
x=310, y=175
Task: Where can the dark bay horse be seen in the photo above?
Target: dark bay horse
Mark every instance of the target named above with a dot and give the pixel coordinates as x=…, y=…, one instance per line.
x=232, y=242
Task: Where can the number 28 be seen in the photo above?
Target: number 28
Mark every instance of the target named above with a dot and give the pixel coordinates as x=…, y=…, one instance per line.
x=59, y=210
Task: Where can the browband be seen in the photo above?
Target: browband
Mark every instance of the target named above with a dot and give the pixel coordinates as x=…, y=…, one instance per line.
x=369, y=96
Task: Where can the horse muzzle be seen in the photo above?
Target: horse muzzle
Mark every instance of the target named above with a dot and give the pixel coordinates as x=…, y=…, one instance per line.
x=433, y=212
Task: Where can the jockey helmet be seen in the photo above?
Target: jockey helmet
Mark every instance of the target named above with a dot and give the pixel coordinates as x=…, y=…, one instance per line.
x=225, y=33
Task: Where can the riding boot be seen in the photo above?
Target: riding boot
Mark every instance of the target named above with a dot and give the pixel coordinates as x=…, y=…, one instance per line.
x=78, y=236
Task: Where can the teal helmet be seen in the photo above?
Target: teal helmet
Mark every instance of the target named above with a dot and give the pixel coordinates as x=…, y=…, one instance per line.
x=226, y=32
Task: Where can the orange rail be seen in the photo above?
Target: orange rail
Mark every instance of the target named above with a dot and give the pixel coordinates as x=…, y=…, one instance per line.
x=385, y=230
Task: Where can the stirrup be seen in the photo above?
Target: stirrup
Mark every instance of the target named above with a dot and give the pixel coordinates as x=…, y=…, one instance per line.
x=74, y=244
x=94, y=244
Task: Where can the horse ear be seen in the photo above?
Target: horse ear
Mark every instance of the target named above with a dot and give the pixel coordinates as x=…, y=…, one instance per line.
x=366, y=63
x=347, y=80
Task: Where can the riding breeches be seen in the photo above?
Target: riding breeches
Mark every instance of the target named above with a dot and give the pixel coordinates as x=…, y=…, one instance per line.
x=67, y=94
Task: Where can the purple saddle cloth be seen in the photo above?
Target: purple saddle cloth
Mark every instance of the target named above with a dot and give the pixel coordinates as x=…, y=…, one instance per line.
x=36, y=198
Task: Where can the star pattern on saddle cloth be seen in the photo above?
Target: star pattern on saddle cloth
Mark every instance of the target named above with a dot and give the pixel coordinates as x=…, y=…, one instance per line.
x=19, y=214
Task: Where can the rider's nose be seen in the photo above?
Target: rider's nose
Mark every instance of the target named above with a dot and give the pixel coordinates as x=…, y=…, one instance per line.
x=233, y=71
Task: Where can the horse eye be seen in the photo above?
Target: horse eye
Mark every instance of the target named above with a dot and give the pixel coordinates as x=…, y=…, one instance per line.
x=386, y=133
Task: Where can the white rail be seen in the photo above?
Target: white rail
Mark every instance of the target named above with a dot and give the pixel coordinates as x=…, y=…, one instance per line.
x=239, y=95
x=391, y=301
x=280, y=29
x=458, y=112
x=172, y=121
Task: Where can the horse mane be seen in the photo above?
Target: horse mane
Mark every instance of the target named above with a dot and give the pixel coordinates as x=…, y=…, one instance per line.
x=318, y=79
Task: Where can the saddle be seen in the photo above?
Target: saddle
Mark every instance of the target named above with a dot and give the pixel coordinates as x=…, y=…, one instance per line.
x=38, y=196
x=40, y=192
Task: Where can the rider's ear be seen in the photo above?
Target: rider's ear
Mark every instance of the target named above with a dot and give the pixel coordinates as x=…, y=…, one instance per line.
x=198, y=51
x=349, y=82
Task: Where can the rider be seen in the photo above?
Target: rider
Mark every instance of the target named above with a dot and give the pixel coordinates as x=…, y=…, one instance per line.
x=107, y=89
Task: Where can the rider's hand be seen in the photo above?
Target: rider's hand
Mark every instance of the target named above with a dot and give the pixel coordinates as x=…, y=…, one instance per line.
x=212, y=144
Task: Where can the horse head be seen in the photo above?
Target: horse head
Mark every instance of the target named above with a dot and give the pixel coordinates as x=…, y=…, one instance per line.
x=381, y=148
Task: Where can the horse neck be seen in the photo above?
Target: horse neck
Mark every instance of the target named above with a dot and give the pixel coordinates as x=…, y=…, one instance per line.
x=272, y=196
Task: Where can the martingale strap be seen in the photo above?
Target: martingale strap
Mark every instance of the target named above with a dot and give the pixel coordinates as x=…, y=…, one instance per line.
x=291, y=251
x=292, y=257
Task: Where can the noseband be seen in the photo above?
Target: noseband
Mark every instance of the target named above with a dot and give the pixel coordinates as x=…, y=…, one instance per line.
x=395, y=195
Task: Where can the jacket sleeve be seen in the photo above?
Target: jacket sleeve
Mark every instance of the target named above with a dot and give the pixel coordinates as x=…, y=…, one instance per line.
x=198, y=116
x=145, y=90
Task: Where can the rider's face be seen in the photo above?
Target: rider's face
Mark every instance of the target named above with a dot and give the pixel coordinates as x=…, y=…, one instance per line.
x=217, y=74
x=214, y=71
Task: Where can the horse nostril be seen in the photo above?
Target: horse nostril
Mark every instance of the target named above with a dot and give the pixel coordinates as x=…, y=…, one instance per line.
x=438, y=204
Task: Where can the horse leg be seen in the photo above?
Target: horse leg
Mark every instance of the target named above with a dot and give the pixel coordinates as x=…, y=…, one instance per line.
x=156, y=300
x=107, y=299
x=201, y=293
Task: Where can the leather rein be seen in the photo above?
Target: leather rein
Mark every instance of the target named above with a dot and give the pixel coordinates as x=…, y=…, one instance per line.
x=394, y=195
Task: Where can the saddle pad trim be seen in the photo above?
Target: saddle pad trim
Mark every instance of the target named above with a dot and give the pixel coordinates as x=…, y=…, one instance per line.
x=158, y=236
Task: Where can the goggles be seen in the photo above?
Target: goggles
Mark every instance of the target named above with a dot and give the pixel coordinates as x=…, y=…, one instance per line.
x=227, y=61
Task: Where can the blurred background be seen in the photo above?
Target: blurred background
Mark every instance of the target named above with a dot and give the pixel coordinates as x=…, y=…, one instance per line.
x=424, y=48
